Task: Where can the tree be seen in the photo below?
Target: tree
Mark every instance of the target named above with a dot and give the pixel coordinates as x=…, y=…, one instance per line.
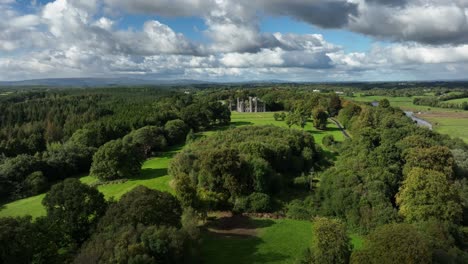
x=320, y=119
x=145, y=206
x=14, y=171
x=35, y=183
x=436, y=158
x=176, y=131
x=428, y=195
x=116, y=160
x=296, y=118
x=328, y=140
x=138, y=244
x=75, y=207
x=146, y=140
x=461, y=162
x=331, y=243
x=190, y=136
x=334, y=104
x=384, y=103
x=394, y=243
x=16, y=245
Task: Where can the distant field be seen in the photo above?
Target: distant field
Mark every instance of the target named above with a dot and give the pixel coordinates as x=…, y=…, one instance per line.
x=264, y=241
x=459, y=100
x=452, y=122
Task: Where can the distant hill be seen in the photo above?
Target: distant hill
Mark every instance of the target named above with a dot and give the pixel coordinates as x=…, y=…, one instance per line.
x=96, y=82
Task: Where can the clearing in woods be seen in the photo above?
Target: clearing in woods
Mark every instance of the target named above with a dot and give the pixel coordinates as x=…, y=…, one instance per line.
x=154, y=171
x=225, y=240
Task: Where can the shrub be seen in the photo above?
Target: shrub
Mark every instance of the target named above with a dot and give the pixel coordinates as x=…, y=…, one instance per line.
x=301, y=210
x=254, y=203
x=328, y=140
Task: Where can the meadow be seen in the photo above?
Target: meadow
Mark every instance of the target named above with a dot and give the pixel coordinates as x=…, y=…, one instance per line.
x=452, y=122
x=459, y=100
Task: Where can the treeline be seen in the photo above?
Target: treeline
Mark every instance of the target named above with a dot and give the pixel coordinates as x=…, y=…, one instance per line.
x=403, y=185
x=165, y=116
x=442, y=101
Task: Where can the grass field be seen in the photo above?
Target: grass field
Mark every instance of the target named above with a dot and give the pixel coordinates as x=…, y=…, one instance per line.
x=459, y=100
x=153, y=175
x=240, y=119
x=268, y=241
x=452, y=122
x=29, y=206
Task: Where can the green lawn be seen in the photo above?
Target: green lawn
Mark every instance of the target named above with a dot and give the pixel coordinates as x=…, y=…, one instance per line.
x=29, y=206
x=277, y=241
x=242, y=119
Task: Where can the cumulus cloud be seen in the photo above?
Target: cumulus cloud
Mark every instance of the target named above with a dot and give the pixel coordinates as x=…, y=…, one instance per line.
x=75, y=38
x=430, y=22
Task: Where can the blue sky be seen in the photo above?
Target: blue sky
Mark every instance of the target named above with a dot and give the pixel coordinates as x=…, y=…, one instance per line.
x=223, y=40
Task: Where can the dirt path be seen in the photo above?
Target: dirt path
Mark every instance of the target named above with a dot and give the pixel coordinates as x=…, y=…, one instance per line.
x=229, y=224
x=340, y=127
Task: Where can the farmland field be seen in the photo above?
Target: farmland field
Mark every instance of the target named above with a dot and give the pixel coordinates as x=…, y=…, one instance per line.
x=459, y=100
x=452, y=122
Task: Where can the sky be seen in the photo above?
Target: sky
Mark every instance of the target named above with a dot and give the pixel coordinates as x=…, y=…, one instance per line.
x=235, y=40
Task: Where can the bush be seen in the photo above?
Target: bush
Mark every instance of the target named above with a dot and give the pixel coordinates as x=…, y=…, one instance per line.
x=254, y=203
x=35, y=183
x=300, y=210
x=394, y=243
x=259, y=202
x=328, y=140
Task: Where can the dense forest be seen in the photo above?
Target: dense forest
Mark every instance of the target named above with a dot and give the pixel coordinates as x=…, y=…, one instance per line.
x=403, y=187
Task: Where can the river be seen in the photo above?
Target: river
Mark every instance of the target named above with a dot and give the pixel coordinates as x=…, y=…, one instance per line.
x=417, y=120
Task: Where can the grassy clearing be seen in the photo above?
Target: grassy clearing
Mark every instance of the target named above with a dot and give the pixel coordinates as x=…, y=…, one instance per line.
x=276, y=241
x=242, y=119
x=29, y=206
x=153, y=175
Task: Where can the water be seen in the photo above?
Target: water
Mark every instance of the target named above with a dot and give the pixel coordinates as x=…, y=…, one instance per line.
x=418, y=121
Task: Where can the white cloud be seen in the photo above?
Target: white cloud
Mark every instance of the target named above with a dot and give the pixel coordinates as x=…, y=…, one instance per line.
x=73, y=38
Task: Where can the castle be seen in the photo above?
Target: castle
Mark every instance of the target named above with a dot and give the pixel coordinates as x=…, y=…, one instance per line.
x=252, y=105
